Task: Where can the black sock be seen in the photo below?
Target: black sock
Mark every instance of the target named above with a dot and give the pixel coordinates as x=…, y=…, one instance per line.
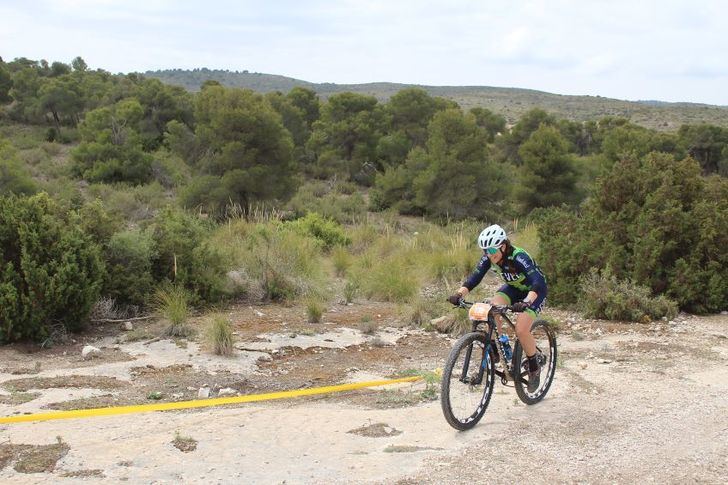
x=533, y=363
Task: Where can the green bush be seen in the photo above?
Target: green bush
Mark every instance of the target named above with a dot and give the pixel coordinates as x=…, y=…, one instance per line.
x=606, y=297
x=129, y=257
x=50, y=269
x=184, y=255
x=136, y=204
x=342, y=260
x=328, y=232
x=389, y=280
x=281, y=262
x=654, y=221
x=169, y=169
x=14, y=176
x=338, y=202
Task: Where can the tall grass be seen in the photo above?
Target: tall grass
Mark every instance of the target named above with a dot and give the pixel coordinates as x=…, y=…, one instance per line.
x=314, y=309
x=341, y=259
x=351, y=289
x=220, y=335
x=282, y=262
x=172, y=305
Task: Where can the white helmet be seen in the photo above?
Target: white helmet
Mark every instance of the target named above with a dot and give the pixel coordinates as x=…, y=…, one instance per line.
x=492, y=237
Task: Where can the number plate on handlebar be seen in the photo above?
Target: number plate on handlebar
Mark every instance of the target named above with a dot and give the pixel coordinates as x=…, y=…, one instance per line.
x=479, y=311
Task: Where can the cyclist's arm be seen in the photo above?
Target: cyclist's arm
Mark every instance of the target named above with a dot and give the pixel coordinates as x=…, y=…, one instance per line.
x=534, y=277
x=476, y=276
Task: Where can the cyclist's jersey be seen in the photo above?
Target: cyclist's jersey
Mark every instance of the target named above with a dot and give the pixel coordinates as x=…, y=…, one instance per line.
x=528, y=276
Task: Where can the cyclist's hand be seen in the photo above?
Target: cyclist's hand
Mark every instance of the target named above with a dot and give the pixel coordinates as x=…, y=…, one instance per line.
x=520, y=306
x=455, y=299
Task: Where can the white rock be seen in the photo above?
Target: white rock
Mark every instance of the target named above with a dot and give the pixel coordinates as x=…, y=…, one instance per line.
x=203, y=393
x=128, y=326
x=89, y=352
x=177, y=395
x=227, y=391
x=259, y=314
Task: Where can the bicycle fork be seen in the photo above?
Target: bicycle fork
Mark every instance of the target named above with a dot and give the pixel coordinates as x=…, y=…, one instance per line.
x=466, y=365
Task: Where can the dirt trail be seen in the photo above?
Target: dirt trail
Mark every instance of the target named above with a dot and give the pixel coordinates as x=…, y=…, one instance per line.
x=629, y=403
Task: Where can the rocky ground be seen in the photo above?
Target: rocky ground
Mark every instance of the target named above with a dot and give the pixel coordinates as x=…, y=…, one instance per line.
x=630, y=402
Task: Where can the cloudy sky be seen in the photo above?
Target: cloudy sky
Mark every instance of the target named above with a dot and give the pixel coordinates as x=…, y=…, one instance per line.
x=627, y=49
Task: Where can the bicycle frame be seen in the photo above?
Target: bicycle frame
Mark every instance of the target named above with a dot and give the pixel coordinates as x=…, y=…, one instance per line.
x=492, y=328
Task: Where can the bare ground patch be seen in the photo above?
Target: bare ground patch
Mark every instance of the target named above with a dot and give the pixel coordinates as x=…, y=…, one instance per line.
x=376, y=430
x=33, y=458
x=64, y=382
x=161, y=384
x=17, y=398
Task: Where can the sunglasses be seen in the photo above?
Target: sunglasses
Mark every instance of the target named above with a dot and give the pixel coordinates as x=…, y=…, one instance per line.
x=491, y=251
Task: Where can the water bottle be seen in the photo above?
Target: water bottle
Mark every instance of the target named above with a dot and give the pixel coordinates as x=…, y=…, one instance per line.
x=506, y=346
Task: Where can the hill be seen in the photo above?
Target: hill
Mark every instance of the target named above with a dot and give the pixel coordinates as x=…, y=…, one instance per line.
x=510, y=102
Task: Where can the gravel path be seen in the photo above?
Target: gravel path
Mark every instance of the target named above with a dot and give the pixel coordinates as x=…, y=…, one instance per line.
x=629, y=404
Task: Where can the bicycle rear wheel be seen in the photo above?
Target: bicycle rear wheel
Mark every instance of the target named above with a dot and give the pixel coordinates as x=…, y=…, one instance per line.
x=467, y=382
x=546, y=351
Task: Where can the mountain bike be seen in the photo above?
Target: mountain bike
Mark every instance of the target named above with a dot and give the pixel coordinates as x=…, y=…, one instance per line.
x=469, y=374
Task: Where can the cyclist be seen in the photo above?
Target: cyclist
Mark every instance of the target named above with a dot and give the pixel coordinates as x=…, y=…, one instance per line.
x=525, y=289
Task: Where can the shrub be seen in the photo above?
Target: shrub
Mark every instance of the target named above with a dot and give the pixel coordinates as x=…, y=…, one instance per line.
x=129, y=259
x=14, y=176
x=367, y=326
x=171, y=304
x=184, y=256
x=220, y=336
x=351, y=288
x=327, y=231
x=654, y=221
x=52, y=149
x=50, y=269
x=606, y=297
x=136, y=204
x=342, y=260
x=281, y=262
x=314, y=309
x=169, y=170
x=339, y=203
x=362, y=237
x=389, y=280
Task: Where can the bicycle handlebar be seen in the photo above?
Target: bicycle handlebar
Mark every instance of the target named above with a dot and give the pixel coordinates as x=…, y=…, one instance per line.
x=497, y=308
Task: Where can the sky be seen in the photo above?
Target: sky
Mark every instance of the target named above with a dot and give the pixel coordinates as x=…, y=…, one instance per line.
x=669, y=50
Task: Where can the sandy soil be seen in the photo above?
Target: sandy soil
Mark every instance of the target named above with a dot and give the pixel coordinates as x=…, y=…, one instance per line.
x=630, y=402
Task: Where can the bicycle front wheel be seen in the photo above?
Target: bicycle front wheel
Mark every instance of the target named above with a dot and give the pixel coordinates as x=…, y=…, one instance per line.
x=467, y=381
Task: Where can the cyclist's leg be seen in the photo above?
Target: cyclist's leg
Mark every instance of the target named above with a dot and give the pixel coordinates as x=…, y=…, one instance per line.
x=524, y=322
x=505, y=295
x=523, y=331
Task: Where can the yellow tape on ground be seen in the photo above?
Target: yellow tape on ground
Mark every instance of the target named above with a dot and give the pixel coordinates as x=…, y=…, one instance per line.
x=198, y=403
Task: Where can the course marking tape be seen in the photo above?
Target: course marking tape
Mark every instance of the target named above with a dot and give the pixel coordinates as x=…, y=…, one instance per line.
x=198, y=403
